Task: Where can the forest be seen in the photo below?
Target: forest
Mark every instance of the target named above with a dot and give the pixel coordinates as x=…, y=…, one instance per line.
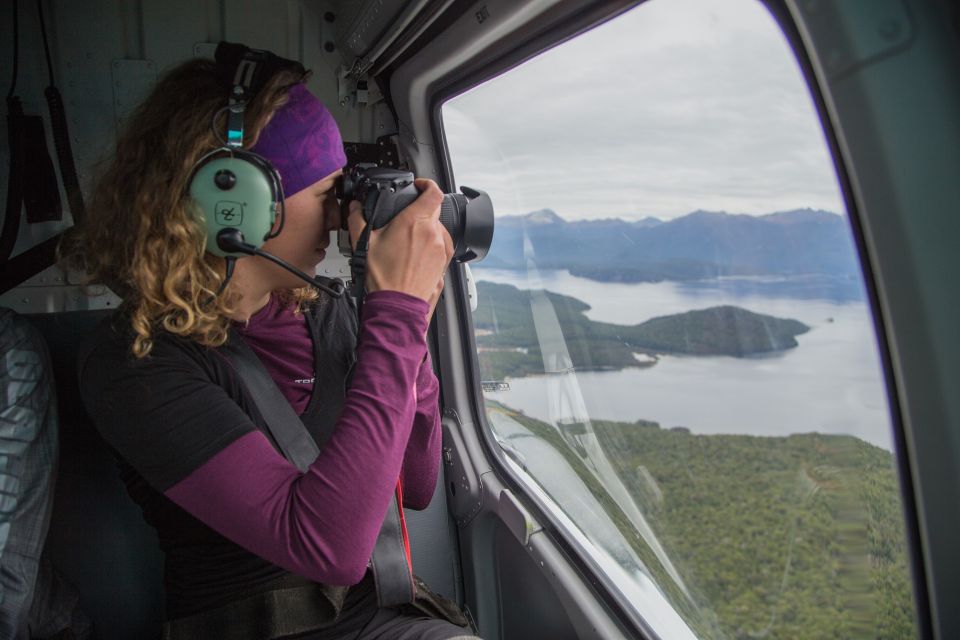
x=797, y=537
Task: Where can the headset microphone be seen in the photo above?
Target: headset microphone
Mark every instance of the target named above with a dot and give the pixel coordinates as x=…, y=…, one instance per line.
x=231, y=240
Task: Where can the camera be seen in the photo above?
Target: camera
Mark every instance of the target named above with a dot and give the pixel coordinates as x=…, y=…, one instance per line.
x=383, y=193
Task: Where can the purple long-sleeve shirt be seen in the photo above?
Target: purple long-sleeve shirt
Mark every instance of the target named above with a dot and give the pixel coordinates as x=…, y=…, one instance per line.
x=281, y=340
x=323, y=524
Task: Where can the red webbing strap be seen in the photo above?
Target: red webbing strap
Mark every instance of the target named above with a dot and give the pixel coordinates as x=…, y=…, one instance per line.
x=403, y=525
x=390, y=562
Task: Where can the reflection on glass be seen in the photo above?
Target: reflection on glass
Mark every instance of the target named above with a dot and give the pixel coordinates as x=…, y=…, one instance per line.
x=697, y=387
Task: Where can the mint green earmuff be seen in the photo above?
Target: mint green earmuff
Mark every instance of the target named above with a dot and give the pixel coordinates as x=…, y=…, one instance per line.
x=237, y=193
x=235, y=189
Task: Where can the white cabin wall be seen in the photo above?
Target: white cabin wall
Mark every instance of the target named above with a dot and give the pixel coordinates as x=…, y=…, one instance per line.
x=106, y=56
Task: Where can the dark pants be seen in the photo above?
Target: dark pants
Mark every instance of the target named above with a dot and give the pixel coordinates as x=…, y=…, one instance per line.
x=390, y=624
x=285, y=614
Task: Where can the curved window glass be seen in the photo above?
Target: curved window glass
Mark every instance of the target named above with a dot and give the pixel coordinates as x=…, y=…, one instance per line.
x=676, y=346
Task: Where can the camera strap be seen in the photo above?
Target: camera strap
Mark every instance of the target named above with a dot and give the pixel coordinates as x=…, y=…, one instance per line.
x=358, y=267
x=390, y=562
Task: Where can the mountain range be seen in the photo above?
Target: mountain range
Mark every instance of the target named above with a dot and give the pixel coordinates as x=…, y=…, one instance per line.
x=698, y=245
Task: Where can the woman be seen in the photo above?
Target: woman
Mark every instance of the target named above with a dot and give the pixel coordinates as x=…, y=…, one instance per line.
x=254, y=548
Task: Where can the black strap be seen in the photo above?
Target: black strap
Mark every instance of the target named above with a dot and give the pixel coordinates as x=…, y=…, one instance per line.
x=61, y=141
x=11, y=219
x=61, y=135
x=239, y=65
x=34, y=260
x=392, y=573
x=41, y=193
x=288, y=433
x=283, y=612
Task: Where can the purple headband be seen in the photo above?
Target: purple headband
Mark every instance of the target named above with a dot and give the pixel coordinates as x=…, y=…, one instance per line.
x=302, y=142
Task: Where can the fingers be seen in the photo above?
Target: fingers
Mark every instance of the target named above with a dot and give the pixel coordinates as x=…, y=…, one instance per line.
x=431, y=197
x=447, y=245
x=427, y=205
x=413, y=250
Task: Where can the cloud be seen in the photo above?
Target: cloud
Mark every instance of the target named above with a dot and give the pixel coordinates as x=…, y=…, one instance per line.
x=672, y=107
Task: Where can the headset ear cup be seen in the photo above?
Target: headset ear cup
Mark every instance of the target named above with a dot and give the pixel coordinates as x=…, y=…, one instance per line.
x=235, y=189
x=276, y=188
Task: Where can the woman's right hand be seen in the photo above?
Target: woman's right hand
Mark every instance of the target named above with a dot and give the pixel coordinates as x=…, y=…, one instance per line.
x=411, y=253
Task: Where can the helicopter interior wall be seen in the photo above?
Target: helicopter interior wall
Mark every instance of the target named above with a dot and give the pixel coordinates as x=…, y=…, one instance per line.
x=543, y=616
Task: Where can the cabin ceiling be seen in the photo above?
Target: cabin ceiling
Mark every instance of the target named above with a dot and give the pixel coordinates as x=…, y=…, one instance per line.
x=365, y=31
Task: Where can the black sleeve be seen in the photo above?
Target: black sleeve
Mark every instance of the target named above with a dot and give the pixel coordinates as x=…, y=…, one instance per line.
x=165, y=414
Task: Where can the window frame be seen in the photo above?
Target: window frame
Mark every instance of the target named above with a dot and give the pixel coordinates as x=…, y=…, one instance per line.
x=581, y=558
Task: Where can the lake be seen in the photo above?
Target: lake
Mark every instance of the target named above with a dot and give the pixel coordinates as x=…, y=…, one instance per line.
x=831, y=383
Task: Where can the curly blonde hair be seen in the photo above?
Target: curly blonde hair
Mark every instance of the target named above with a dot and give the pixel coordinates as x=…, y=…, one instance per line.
x=141, y=236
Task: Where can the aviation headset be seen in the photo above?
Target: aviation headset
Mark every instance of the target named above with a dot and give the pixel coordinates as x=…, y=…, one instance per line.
x=237, y=192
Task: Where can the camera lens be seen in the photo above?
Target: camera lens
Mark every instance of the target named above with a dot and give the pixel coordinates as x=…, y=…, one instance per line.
x=468, y=218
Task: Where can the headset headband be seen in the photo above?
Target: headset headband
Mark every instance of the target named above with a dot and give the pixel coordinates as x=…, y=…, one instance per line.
x=246, y=70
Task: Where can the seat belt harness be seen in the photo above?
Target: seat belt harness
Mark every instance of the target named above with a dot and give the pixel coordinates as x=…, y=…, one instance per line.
x=390, y=562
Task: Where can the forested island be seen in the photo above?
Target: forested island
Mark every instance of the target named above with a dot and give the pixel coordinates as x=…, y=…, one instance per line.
x=506, y=333
x=796, y=537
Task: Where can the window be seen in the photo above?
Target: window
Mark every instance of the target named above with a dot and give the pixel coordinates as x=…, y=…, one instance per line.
x=673, y=333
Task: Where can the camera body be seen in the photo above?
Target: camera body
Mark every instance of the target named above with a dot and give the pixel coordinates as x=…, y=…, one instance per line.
x=383, y=193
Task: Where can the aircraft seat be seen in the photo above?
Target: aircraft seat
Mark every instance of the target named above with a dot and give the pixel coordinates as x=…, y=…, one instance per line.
x=98, y=538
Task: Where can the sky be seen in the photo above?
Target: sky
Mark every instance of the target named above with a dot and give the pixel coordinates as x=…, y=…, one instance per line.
x=673, y=107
